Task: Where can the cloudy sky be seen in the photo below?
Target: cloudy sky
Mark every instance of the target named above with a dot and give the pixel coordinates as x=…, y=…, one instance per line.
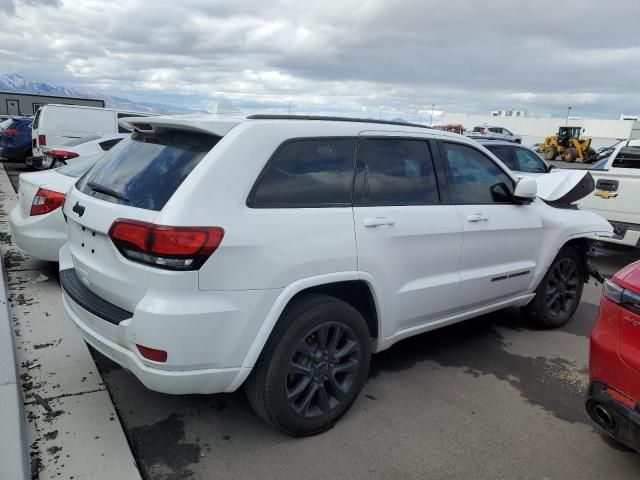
x=374, y=57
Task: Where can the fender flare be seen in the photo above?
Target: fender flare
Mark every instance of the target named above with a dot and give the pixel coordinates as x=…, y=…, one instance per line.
x=287, y=294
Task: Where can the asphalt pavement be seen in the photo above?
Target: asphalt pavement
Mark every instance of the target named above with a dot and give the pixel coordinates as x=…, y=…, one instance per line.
x=490, y=398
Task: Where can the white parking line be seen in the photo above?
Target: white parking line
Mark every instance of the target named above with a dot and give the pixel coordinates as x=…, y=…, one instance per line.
x=73, y=429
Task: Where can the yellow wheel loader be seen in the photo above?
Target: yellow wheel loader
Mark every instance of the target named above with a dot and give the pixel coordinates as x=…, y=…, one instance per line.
x=568, y=144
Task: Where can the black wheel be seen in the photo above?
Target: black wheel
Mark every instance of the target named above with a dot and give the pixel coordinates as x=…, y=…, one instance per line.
x=550, y=153
x=591, y=156
x=558, y=295
x=313, y=366
x=569, y=154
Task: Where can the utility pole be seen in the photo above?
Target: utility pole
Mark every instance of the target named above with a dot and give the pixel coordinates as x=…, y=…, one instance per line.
x=568, y=113
x=433, y=105
x=289, y=107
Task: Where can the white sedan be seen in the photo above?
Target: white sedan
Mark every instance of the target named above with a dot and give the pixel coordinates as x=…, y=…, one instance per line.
x=37, y=224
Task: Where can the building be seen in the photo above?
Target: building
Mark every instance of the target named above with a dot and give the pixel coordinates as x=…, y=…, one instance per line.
x=509, y=113
x=28, y=103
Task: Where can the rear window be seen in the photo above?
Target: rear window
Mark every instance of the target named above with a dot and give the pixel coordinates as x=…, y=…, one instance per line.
x=36, y=121
x=478, y=129
x=77, y=169
x=80, y=141
x=628, y=157
x=147, y=168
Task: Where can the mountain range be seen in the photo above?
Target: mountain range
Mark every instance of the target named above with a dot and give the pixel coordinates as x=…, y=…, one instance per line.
x=13, y=82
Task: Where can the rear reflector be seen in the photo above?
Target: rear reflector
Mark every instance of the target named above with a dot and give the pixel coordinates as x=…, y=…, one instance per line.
x=172, y=248
x=152, y=354
x=62, y=154
x=42, y=140
x=46, y=201
x=11, y=132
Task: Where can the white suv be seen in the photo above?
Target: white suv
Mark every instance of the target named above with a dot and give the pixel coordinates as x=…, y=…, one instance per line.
x=279, y=253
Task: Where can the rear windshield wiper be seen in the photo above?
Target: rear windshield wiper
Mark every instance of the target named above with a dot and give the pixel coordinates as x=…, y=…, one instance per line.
x=96, y=187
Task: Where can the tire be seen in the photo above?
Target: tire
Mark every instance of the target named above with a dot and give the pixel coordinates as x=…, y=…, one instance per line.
x=550, y=153
x=554, y=304
x=300, y=388
x=569, y=155
x=591, y=156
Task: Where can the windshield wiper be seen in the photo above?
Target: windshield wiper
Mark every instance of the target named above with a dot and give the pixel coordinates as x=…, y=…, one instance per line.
x=96, y=187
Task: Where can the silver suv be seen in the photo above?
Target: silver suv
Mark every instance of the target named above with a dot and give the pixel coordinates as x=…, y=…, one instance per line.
x=495, y=133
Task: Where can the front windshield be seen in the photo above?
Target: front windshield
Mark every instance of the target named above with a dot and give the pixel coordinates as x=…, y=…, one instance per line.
x=600, y=165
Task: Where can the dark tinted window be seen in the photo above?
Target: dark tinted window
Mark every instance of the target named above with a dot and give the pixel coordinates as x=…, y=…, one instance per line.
x=146, y=169
x=504, y=153
x=396, y=172
x=307, y=173
x=107, y=144
x=529, y=161
x=472, y=177
x=36, y=120
x=628, y=157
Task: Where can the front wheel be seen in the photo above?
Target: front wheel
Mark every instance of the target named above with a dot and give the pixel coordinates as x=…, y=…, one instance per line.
x=558, y=295
x=313, y=366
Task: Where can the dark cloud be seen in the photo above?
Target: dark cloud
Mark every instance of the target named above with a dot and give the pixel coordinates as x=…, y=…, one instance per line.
x=348, y=55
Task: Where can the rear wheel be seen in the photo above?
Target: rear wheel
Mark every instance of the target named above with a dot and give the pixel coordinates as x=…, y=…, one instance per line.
x=550, y=153
x=569, y=154
x=313, y=366
x=591, y=156
x=558, y=295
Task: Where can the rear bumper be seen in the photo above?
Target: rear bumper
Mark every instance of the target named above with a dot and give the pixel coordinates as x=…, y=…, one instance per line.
x=625, y=427
x=41, y=236
x=624, y=234
x=206, y=334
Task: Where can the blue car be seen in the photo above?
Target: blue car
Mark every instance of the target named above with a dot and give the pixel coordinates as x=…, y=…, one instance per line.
x=16, y=139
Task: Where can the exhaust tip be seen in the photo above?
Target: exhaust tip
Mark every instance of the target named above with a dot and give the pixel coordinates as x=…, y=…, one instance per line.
x=603, y=417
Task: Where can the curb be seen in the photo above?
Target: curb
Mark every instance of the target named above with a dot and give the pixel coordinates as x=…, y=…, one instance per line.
x=13, y=455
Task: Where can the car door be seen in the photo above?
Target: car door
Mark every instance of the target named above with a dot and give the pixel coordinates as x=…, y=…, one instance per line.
x=501, y=238
x=407, y=239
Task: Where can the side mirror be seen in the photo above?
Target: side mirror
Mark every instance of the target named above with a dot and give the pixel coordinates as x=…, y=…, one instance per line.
x=526, y=189
x=550, y=167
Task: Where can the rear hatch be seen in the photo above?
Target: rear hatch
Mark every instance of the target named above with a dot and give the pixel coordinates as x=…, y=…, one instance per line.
x=133, y=181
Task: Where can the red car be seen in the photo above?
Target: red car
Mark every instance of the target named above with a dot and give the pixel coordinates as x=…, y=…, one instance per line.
x=613, y=400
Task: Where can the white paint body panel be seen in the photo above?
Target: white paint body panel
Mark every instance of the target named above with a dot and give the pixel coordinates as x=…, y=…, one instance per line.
x=427, y=268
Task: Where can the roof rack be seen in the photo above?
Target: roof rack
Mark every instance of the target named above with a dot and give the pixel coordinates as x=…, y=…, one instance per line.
x=332, y=119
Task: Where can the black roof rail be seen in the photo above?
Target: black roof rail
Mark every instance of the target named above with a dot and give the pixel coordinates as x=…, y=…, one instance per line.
x=332, y=119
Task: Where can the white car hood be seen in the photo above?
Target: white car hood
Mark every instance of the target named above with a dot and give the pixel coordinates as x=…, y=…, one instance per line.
x=563, y=187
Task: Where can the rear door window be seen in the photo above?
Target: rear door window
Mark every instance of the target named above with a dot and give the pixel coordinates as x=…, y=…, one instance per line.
x=529, y=161
x=147, y=168
x=504, y=153
x=395, y=171
x=314, y=172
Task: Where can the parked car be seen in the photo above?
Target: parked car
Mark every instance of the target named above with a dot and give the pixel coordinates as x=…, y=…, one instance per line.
x=613, y=399
x=37, y=224
x=57, y=124
x=207, y=253
x=4, y=124
x=15, y=144
x=75, y=150
x=617, y=193
x=518, y=158
x=496, y=133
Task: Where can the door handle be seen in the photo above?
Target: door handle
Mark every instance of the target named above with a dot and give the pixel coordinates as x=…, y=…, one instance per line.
x=607, y=185
x=478, y=217
x=378, y=222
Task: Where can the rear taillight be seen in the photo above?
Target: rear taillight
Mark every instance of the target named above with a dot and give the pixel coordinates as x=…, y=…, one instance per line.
x=46, y=201
x=62, y=154
x=625, y=298
x=11, y=132
x=172, y=248
x=42, y=140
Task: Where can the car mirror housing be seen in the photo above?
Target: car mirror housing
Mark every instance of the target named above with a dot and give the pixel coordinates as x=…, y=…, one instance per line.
x=526, y=189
